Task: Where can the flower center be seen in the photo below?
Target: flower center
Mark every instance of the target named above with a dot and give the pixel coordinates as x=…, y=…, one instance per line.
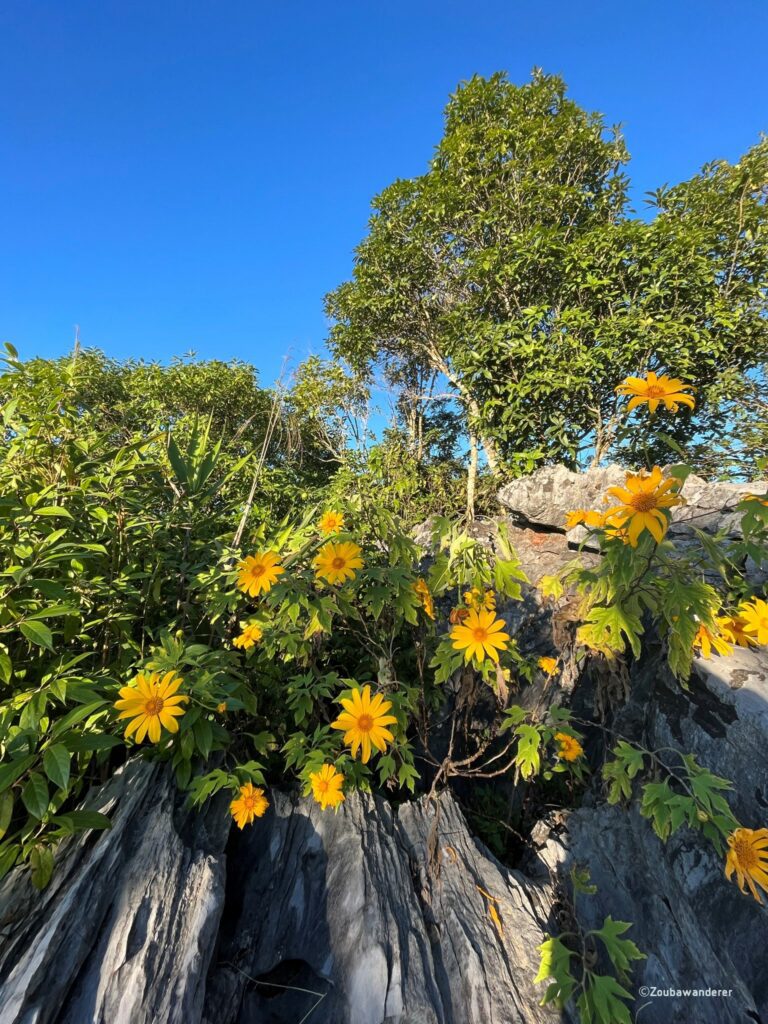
x=480, y=634
x=643, y=502
x=258, y=570
x=249, y=802
x=338, y=562
x=322, y=785
x=654, y=391
x=153, y=706
x=365, y=723
x=745, y=853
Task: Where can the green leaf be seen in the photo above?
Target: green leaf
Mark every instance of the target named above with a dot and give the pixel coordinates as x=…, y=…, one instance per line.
x=555, y=963
x=35, y=795
x=11, y=771
x=6, y=667
x=601, y=1001
x=621, y=951
x=203, y=736
x=79, y=821
x=38, y=634
x=56, y=761
x=41, y=862
x=528, y=759
x=52, y=510
x=6, y=812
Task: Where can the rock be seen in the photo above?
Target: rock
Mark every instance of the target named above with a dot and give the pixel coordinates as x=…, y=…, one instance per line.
x=359, y=923
x=544, y=498
x=367, y=915
x=126, y=929
x=697, y=930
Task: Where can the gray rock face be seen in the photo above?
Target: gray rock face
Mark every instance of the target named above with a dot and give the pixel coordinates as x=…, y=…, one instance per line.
x=696, y=928
x=358, y=923
x=125, y=930
x=310, y=916
x=544, y=498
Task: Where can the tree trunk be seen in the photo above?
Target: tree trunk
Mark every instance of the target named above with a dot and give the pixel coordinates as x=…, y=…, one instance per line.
x=472, y=476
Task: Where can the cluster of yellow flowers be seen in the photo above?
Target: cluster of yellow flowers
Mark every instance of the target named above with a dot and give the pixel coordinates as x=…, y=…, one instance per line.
x=642, y=505
x=748, y=626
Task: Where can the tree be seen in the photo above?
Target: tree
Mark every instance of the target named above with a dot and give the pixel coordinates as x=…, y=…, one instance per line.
x=514, y=272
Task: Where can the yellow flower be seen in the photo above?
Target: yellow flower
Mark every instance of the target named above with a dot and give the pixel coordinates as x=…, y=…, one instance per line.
x=249, y=805
x=153, y=704
x=326, y=786
x=653, y=390
x=585, y=516
x=548, y=665
x=748, y=857
x=707, y=640
x=733, y=626
x=258, y=572
x=569, y=748
x=249, y=637
x=338, y=562
x=762, y=498
x=331, y=522
x=755, y=616
x=642, y=501
x=478, y=599
x=422, y=590
x=480, y=635
x=221, y=708
x=364, y=722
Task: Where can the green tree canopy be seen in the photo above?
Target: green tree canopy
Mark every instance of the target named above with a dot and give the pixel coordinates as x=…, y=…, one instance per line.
x=515, y=270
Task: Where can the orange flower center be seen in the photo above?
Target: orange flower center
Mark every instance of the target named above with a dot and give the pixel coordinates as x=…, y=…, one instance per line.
x=365, y=723
x=338, y=562
x=258, y=570
x=643, y=502
x=480, y=634
x=322, y=785
x=654, y=391
x=153, y=706
x=744, y=851
x=249, y=803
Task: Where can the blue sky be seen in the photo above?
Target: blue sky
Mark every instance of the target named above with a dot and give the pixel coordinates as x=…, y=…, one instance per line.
x=195, y=175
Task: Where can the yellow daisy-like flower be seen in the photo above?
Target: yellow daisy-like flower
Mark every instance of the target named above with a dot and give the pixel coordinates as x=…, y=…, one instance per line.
x=586, y=516
x=364, y=722
x=478, y=599
x=422, y=590
x=249, y=637
x=259, y=572
x=221, y=708
x=331, y=522
x=755, y=616
x=762, y=498
x=748, y=857
x=548, y=665
x=153, y=705
x=733, y=627
x=326, y=786
x=707, y=640
x=643, y=500
x=337, y=563
x=568, y=747
x=653, y=390
x=249, y=805
x=480, y=635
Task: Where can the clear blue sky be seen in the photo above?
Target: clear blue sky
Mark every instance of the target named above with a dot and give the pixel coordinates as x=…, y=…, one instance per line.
x=194, y=175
